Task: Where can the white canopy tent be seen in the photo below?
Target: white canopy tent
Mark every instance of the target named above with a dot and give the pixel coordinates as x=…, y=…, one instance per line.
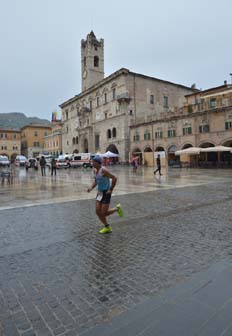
x=109, y=154
x=217, y=149
x=189, y=151
x=198, y=150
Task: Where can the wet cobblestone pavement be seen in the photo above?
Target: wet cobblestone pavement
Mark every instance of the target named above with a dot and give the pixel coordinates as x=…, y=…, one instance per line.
x=59, y=277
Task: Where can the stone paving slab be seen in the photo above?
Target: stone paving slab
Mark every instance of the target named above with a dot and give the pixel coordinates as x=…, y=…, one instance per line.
x=59, y=277
x=184, y=309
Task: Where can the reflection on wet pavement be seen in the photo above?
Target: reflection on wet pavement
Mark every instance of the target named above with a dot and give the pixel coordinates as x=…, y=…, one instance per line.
x=30, y=188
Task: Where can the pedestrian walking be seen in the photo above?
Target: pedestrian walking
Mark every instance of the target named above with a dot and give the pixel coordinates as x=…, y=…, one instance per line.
x=135, y=163
x=42, y=163
x=53, y=166
x=105, y=188
x=158, y=164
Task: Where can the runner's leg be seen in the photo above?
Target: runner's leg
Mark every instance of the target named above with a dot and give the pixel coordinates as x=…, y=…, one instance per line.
x=106, y=211
x=100, y=214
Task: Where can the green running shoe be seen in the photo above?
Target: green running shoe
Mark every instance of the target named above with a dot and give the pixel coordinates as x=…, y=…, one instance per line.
x=119, y=209
x=107, y=229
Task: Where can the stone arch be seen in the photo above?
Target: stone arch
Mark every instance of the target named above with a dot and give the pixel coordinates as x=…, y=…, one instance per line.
x=226, y=142
x=207, y=157
x=172, y=158
x=148, y=156
x=226, y=157
x=206, y=144
x=159, y=149
x=172, y=149
x=147, y=149
x=188, y=145
x=112, y=148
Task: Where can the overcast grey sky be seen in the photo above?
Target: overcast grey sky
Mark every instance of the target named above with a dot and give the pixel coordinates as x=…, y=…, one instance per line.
x=183, y=41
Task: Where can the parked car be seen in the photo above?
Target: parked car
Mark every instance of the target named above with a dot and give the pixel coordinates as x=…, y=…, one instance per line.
x=4, y=161
x=62, y=163
x=20, y=160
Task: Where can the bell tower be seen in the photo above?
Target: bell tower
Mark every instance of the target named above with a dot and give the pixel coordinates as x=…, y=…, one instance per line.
x=92, y=61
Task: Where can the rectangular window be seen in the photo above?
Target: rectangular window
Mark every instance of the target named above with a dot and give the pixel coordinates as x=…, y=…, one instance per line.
x=152, y=99
x=212, y=102
x=98, y=101
x=187, y=130
x=136, y=137
x=228, y=125
x=158, y=134
x=105, y=97
x=171, y=133
x=97, y=141
x=114, y=94
x=14, y=136
x=45, y=133
x=165, y=101
x=204, y=128
x=90, y=105
x=147, y=136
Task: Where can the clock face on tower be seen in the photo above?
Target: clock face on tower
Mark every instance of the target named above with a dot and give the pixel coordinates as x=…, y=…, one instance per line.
x=84, y=75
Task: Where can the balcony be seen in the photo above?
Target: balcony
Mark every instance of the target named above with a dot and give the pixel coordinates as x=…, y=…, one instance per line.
x=123, y=98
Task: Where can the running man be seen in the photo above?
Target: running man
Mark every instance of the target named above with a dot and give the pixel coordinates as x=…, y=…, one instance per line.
x=105, y=189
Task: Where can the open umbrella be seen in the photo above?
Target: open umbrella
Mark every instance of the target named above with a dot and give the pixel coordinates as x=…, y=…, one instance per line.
x=189, y=151
x=217, y=149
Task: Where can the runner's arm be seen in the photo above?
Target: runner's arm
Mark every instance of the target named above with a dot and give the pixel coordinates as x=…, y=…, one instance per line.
x=112, y=177
x=92, y=186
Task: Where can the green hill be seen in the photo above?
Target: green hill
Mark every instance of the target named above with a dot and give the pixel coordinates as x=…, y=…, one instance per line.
x=16, y=120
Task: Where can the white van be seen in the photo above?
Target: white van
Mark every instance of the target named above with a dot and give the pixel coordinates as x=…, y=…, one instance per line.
x=81, y=160
x=20, y=160
x=4, y=161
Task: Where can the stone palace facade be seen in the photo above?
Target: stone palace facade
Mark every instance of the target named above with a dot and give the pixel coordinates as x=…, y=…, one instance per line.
x=100, y=117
